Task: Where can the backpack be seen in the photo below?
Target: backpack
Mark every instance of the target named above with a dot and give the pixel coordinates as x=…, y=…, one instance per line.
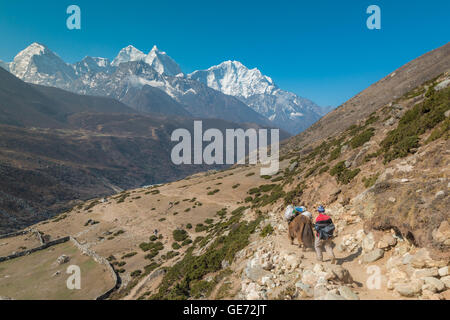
x=325, y=231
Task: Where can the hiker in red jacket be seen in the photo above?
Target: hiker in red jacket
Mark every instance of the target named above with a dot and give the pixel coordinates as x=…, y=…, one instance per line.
x=324, y=233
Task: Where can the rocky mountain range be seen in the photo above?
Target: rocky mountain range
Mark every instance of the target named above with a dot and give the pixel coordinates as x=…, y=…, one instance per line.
x=229, y=91
x=285, y=109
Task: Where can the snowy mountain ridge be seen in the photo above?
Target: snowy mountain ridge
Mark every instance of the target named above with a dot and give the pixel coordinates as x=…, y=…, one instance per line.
x=198, y=91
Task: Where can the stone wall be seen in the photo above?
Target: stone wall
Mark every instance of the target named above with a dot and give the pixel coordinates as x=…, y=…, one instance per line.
x=101, y=260
x=14, y=234
x=30, y=251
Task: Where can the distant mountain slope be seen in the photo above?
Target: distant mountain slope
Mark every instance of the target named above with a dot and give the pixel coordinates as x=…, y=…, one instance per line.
x=393, y=86
x=23, y=104
x=283, y=108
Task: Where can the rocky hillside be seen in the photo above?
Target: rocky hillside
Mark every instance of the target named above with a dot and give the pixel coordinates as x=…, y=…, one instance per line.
x=384, y=180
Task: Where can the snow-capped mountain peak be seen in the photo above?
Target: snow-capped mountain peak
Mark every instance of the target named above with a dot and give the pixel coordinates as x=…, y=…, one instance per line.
x=233, y=78
x=38, y=64
x=258, y=91
x=128, y=54
x=162, y=63
x=92, y=65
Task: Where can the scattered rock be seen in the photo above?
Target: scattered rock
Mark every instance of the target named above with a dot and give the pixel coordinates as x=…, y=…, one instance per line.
x=386, y=242
x=435, y=283
x=440, y=194
x=304, y=290
x=255, y=273
x=320, y=291
x=443, y=271
x=428, y=272
x=446, y=281
x=347, y=293
x=342, y=274
x=309, y=278
x=442, y=85
x=409, y=289
x=389, y=122
x=368, y=243
x=293, y=166
x=62, y=259
x=421, y=259
x=373, y=256
x=442, y=234
x=332, y=296
x=445, y=295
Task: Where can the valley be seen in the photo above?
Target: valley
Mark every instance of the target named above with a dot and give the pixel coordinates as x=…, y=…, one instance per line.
x=220, y=234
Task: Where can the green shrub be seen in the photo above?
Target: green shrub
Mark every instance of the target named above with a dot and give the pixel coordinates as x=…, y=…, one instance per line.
x=189, y=226
x=186, y=242
x=175, y=246
x=211, y=193
x=146, y=246
x=236, y=186
x=149, y=268
x=343, y=175
x=179, y=235
x=266, y=231
x=335, y=153
x=277, y=179
x=324, y=169
x=362, y=138
x=136, y=273
x=370, y=181
x=153, y=238
x=238, y=210
x=129, y=255
x=404, y=139
x=250, y=174
x=200, y=227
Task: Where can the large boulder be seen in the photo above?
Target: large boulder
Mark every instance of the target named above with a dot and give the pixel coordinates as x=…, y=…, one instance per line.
x=62, y=259
x=421, y=259
x=304, y=290
x=446, y=281
x=347, y=293
x=442, y=234
x=342, y=274
x=386, y=242
x=410, y=289
x=436, y=284
x=373, y=255
x=426, y=272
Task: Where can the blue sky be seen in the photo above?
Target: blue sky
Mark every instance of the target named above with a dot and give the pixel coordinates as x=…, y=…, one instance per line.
x=319, y=49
